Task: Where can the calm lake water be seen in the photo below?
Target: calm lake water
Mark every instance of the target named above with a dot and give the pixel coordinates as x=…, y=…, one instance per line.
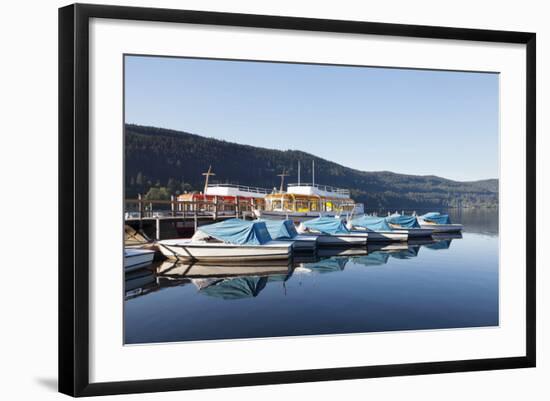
x=449, y=283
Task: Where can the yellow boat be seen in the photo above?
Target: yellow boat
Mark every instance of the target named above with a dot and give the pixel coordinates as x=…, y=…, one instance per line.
x=305, y=201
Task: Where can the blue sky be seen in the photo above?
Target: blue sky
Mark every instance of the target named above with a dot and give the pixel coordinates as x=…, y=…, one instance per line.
x=406, y=121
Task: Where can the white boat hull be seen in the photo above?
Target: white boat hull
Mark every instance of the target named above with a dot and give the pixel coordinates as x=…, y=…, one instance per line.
x=385, y=236
x=137, y=258
x=222, y=252
x=420, y=232
x=388, y=236
x=442, y=228
x=414, y=232
x=342, y=239
x=306, y=243
x=336, y=240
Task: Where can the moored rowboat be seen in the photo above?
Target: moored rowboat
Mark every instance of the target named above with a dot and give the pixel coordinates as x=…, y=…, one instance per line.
x=439, y=223
x=230, y=241
x=137, y=258
x=331, y=231
x=378, y=229
x=409, y=223
x=442, y=228
x=188, y=249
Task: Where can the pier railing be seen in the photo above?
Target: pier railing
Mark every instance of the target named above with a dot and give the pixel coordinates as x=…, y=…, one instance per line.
x=141, y=208
x=143, y=212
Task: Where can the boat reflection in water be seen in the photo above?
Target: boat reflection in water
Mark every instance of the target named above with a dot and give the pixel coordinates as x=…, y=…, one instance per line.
x=234, y=288
x=177, y=269
x=139, y=282
x=247, y=280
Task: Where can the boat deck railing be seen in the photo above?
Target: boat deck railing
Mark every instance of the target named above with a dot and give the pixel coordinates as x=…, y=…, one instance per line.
x=244, y=188
x=326, y=188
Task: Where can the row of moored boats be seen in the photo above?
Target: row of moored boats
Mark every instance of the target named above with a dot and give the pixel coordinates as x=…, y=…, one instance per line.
x=237, y=240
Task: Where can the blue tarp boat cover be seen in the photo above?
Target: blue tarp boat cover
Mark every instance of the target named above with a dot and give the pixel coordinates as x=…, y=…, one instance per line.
x=403, y=221
x=437, y=218
x=371, y=223
x=326, y=225
x=281, y=229
x=236, y=231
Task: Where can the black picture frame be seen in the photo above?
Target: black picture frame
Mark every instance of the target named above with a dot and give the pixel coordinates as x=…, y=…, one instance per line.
x=74, y=203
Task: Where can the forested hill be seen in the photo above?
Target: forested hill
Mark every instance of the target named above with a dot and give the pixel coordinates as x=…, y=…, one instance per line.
x=160, y=162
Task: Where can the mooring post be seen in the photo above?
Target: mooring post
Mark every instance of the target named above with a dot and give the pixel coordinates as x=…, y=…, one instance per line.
x=157, y=231
x=173, y=205
x=215, y=208
x=237, y=207
x=140, y=209
x=195, y=216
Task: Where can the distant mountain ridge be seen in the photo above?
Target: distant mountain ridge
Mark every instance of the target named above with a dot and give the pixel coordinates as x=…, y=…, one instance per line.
x=160, y=161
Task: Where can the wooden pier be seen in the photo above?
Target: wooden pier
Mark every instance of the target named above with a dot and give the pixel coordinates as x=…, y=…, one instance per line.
x=151, y=216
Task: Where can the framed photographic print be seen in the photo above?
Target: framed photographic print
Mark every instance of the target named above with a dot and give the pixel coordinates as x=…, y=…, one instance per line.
x=251, y=199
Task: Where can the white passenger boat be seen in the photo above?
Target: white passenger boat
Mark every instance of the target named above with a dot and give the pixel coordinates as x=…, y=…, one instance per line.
x=284, y=230
x=301, y=202
x=439, y=223
x=409, y=223
x=304, y=201
x=378, y=229
x=332, y=231
x=232, y=240
x=135, y=258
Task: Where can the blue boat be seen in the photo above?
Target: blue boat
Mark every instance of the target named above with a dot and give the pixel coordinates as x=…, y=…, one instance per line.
x=439, y=223
x=331, y=231
x=409, y=223
x=378, y=229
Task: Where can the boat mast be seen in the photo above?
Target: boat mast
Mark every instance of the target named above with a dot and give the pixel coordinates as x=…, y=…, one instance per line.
x=282, y=175
x=207, y=176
